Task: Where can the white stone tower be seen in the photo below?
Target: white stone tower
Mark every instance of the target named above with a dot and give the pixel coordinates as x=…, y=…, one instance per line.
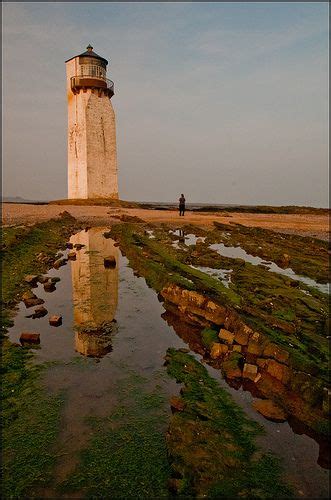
x=92, y=161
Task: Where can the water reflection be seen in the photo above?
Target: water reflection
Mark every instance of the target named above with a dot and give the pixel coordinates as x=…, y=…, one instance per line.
x=95, y=292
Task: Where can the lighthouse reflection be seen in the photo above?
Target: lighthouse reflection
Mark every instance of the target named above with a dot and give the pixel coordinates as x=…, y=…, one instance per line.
x=95, y=292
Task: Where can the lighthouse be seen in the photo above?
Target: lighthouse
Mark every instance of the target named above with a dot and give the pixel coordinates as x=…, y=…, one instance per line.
x=92, y=160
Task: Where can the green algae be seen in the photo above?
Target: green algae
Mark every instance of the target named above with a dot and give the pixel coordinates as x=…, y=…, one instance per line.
x=30, y=416
x=126, y=456
x=211, y=443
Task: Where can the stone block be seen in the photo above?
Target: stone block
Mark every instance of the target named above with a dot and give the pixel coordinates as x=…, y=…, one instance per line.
x=242, y=335
x=278, y=371
x=277, y=353
x=217, y=350
x=250, y=371
x=254, y=347
x=226, y=336
x=32, y=279
x=30, y=338
x=49, y=286
x=236, y=348
x=55, y=320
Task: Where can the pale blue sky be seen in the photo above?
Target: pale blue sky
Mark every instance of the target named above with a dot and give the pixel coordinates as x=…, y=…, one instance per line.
x=226, y=102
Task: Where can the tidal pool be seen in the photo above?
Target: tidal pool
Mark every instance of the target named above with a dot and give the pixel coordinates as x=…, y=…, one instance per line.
x=240, y=253
x=113, y=324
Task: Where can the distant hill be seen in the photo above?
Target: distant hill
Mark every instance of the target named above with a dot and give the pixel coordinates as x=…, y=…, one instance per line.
x=18, y=199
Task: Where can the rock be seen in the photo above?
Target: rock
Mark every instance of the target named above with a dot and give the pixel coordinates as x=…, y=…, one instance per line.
x=255, y=348
x=273, y=351
x=217, y=350
x=72, y=255
x=54, y=279
x=242, y=335
x=49, y=286
x=278, y=371
x=69, y=245
x=55, y=320
x=261, y=362
x=28, y=295
x=199, y=241
x=231, y=366
x=109, y=262
x=177, y=404
x=250, y=371
x=79, y=246
x=30, y=299
x=270, y=410
x=32, y=279
x=30, y=338
x=226, y=336
x=60, y=262
x=194, y=305
x=39, y=312
x=43, y=279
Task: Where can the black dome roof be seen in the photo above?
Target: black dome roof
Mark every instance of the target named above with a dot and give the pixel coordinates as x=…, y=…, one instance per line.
x=89, y=53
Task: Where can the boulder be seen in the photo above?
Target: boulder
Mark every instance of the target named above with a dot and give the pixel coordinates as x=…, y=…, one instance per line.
x=226, y=336
x=109, y=262
x=55, y=320
x=217, y=350
x=177, y=404
x=250, y=371
x=72, y=255
x=30, y=338
x=270, y=410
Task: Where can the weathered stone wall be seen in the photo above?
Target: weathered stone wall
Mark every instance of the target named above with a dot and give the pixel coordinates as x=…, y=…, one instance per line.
x=92, y=161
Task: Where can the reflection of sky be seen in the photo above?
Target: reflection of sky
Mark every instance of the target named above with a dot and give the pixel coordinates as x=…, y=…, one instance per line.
x=240, y=253
x=226, y=102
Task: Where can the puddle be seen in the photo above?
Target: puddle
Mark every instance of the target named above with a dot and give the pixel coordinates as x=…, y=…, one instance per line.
x=239, y=253
x=187, y=239
x=150, y=233
x=224, y=275
x=113, y=322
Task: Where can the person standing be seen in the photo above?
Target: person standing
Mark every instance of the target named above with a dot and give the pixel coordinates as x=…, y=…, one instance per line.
x=182, y=205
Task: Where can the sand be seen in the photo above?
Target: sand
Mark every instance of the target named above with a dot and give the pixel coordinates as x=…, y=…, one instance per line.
x=306, y=225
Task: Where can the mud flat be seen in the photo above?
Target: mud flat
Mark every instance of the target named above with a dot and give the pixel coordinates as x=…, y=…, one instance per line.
x=149, y=385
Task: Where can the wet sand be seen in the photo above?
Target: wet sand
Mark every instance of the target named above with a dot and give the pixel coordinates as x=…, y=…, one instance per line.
x=305, y=225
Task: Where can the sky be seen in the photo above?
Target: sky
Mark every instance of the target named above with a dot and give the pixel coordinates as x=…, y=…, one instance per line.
x=224, y=102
